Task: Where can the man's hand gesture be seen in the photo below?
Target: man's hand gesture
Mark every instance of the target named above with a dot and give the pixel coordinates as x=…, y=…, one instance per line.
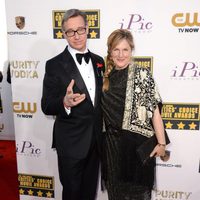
x=72, y=99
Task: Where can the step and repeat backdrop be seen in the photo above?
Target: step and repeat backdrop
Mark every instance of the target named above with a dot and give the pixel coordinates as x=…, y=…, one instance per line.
x=167, y=38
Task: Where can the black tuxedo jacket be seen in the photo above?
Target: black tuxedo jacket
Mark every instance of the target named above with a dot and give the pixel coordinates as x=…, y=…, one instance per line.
x=72, y=134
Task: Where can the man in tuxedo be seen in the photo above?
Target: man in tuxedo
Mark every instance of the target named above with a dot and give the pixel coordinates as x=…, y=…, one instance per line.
x=71, y=91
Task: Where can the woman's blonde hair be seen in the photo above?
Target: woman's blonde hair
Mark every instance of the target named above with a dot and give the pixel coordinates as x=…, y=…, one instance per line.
x=113, y=40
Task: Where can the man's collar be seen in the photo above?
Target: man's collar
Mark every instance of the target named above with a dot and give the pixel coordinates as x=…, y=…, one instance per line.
x=74, y=51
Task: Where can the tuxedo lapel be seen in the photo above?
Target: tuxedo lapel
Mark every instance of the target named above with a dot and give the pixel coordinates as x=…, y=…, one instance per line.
x=72, y=71
x=98, y=78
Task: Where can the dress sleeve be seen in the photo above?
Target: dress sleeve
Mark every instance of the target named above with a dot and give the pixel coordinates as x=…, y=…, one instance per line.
x=153, y=97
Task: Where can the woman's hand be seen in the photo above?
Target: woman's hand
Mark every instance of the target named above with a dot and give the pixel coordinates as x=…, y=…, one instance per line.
x=158, y=151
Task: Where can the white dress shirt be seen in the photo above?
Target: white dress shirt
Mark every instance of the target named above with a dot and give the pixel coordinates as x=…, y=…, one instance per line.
x=87, y=73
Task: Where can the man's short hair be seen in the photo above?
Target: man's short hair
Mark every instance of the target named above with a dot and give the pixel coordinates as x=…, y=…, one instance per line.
x=73, y=13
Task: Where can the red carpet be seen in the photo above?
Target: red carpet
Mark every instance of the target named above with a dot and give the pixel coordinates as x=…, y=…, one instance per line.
x=8, y=171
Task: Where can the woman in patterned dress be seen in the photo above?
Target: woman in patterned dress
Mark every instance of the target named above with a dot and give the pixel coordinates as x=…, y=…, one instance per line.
x=130, y=106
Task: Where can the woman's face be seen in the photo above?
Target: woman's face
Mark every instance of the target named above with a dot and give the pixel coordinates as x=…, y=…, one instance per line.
x=121, y=54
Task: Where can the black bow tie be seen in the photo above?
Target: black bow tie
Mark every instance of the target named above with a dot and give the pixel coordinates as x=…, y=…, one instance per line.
x=86, y=56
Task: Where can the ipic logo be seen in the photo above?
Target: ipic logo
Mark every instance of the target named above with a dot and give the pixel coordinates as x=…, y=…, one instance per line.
x=186, y=70
x=27, y=148
x=186, y=22
x=137, y=23
x=24, y=109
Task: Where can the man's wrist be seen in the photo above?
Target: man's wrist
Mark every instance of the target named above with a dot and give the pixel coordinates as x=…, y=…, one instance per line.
x=65, y=105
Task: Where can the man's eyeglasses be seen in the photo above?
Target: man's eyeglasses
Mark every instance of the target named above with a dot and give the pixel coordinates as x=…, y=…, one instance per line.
x=79, y=31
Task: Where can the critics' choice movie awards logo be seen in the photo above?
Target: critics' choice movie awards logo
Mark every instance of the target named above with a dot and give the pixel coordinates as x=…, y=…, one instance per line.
x=144, y=61
x=136, y=23
x=20, y=24
x=169, y=194
x=186, y=22
x=27, y=69
x=186, y=71
x=36, y=185
x=181, y=116
x=93, y=17
x=27, y=148
x=24, y=109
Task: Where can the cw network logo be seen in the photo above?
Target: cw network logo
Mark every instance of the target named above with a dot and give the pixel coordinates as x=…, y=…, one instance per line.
x=24, y=109
x=27, y=148
x=186, y=22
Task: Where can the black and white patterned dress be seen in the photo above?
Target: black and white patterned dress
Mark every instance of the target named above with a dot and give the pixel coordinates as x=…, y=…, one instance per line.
x=124, y=175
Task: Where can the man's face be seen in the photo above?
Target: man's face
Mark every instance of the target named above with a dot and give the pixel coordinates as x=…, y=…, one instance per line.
x=79, y=39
